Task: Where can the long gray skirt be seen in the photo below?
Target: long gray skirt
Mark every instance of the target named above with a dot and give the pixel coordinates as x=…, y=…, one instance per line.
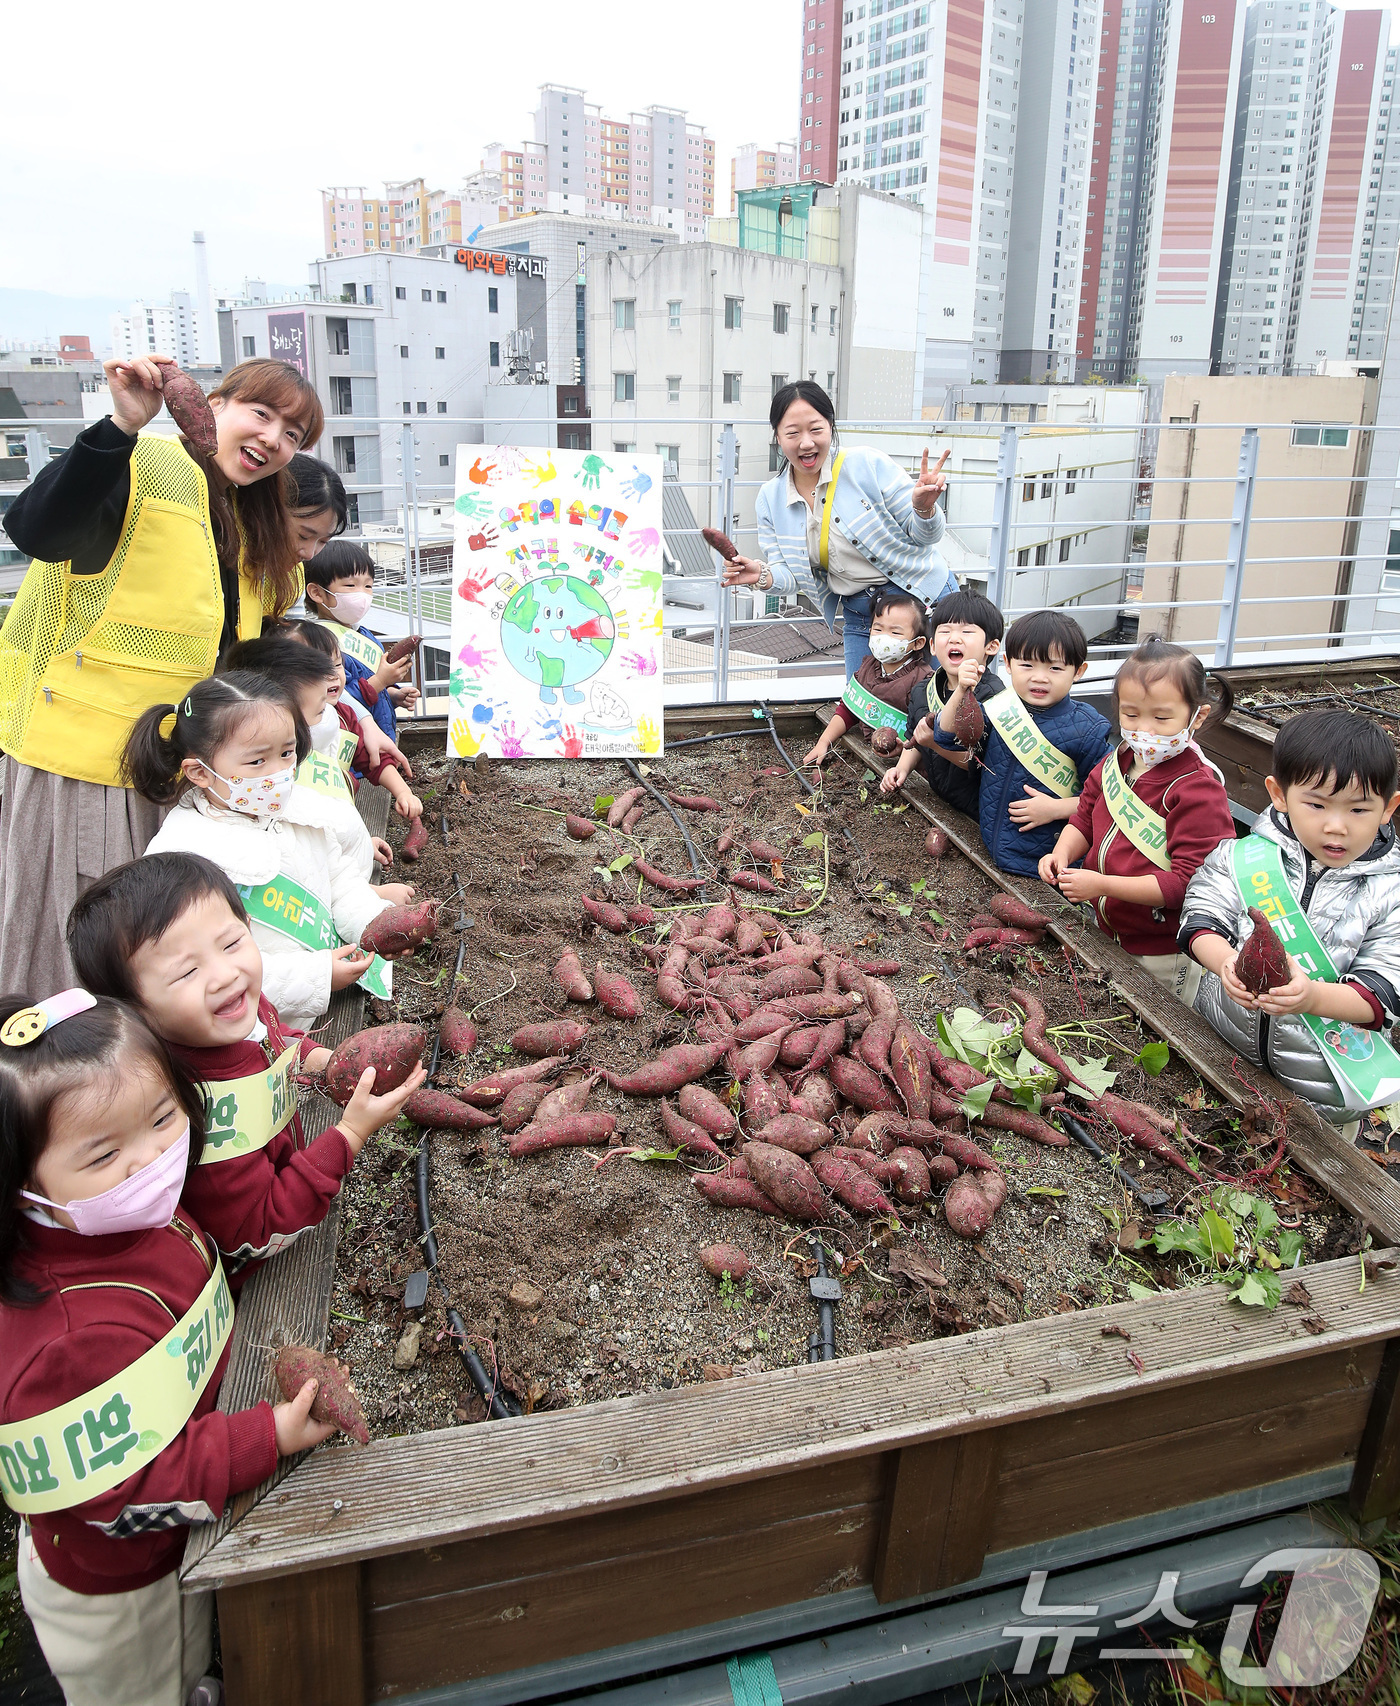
x=57, y=836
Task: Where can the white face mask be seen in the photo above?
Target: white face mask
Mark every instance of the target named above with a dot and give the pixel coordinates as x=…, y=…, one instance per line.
x=888, y=648
x=1149, y=748
x=349, y=607
x=258, y=796
x=324, y=730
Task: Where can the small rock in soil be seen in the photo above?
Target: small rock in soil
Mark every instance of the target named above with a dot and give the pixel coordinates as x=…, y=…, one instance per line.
x=523, y=1295
x=406, y=1351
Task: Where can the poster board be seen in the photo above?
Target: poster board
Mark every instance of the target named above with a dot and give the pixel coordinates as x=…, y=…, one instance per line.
x=556, y=604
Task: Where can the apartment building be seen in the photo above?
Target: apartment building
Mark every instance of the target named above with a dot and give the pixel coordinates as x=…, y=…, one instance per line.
x=755, y=168
x=175, y=328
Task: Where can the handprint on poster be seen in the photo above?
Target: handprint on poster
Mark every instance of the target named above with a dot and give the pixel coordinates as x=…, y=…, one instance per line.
x=556, y=609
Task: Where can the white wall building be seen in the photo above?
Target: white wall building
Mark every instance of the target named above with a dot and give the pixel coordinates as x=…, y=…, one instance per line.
x=175, y=328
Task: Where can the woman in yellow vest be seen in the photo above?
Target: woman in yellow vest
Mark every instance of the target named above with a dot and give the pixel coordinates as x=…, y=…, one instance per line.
x=149, y=559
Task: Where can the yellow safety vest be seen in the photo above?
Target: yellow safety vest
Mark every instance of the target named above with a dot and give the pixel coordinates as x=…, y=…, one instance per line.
x=82, y=656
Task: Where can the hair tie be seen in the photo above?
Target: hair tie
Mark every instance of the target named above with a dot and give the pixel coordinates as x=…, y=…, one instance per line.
x=30, y=1023
x=166, y=726
x=188, y=706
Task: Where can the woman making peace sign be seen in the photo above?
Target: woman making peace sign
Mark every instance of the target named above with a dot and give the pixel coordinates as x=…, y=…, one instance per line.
x=842, y=526
x=149, y=558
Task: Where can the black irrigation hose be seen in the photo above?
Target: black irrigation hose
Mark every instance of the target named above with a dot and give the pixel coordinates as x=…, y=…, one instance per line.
x=676, y=818
x=704, y=740
x=1153, y=1200
x=499, y=1404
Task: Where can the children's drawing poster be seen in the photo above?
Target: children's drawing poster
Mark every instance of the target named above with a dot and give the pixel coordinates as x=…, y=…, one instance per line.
x=556, y=607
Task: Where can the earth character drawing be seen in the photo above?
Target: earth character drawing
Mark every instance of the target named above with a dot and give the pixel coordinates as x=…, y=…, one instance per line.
x=557, y=631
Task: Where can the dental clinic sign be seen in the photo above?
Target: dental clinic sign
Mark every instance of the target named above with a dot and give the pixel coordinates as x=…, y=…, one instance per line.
x=500, y=263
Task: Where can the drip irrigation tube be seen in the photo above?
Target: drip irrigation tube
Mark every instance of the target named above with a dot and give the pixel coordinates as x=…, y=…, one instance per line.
x=704, y=740
x=499, y=1403
x=675, y=816
x=1153, y=1200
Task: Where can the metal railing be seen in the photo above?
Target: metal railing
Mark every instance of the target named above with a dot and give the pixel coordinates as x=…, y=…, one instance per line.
x=1157, y=499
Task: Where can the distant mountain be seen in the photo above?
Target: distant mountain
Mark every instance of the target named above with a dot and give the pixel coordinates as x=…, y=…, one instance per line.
x=31, y=316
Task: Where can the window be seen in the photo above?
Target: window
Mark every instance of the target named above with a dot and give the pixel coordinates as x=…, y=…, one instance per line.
x=1023, y=557
x=342, y=396
x=440, y=352
x=494, y=354
x=780, y=317
x=443, y=461
x=408, y=408
x=571, y=405
x=352, y=516
x=621, y=447
x=779, y=380
x=493, y=300
x=831, y=330
x=1028, y=492
x=1042, y=553
x=250, y=346
x=814, y=316
x=1390, y=577
x=442, y=296
x=403, y=351
x=1047, y=486
x=1071, y=476
x=442, y=408
x=670, y=455
x=733, y=313
x=1329, y=437
x=624, y=387
x=625, y=315
x=573, y=441
x=830, y=380
x=400, y=294
x=427, y=295
x=673, y=316
x=369, y=293
x=343, y=450
x=733, y=387
x=422, y=408
x=1064, y=549
x=673, y=387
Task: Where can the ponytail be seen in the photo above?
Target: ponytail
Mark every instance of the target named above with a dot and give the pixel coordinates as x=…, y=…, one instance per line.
x=1157, y=658
x=164, y=736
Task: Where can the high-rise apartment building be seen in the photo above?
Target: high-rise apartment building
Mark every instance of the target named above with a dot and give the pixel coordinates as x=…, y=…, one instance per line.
x=174, y=328
x=755, y=168
x=405, y=219
x=822, y=52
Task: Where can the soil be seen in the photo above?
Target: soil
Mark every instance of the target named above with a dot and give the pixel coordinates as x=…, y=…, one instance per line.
x=576, y=1271
x=1365, y=691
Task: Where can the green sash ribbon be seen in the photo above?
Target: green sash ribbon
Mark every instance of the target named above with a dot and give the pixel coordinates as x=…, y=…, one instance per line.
x=357, y=645
x=244, y=1114
x=299, y=915
x=1045, y=762
x=872, y=711
x=94, y=1442
x=1146, y=829
x=321, y=772
x=1366, y=1068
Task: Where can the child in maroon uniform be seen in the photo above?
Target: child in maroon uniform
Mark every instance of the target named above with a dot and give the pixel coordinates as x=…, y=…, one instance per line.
x=1150, y=812
x=106, y=1450
x=168, y=933
x=878, y=693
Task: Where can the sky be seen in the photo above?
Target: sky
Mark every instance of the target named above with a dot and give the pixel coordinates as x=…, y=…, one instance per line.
x=178, y=117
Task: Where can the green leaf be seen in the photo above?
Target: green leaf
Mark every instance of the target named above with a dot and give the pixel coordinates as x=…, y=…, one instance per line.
x=621, y=863
x=870, y=776
x=974, y=1103
x=1044, y=1191
x=948, y=1037
x=601, y=802
x=1258, y=1290
x=937, y=917
x=1139, y=1292
x=815, y=839
x=1181, y=1235
x=864, y=795
x=1096, y=1076
x=1218, y=1235
x=930, y=977
x=1290, y=1248
x=918, y=886
x=1265, y=1218
x=1152, y=1058
x=978, y=1035
x=904, y=911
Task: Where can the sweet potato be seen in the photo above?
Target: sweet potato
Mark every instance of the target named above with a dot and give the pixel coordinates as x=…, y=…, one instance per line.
x=1024, y=1123
x=766, y=852
x=721, y=1259
x=579, y=827
x=799, y=1046
x=999, y=940
x=336, y=1399
x=874, y=1045
x=872, y=1133
x=972, y=1201
x=913, y=1182
x=719, y=922
x=910, y=1070
x=753, y=882
x=880, y=997
x=400, y=929
x=457, y=1029
x=634, y=817
x=936, y=843
x=640, y=916
x=850, y=1184
x=518, y=1109
x=759, y=1056
x=857, y=1083
x=569, y=975
x=693, y=802
x=706, y=1110
x=439, y=1111
x=969, y=725
x=622, y=804
x=748, y=936
x=795, y=1132
x=720, y=542
x=685, y=1133
x=558, y=1036
x=714, y=1025
x=878, y=1166
x=788, y=980
x=787, y=1179
x=565, y=1099
x=486, y=1092
x=415, y=841
x=673, y=1067
x=762, y=1022
x=727, y=838
x=816, y=1098
x=570, y=1131
x=822, y=1006
x=726, y=1191
x=1033, y=1035
x=605, y=913
x=189, y=408
x=880, y=968
x=392, y=1050
x=404, y=648
x=941, y=1107
x=1139, y=1126
x=765, y=1097
x=885, y=743
x=833, y=1039
x=1262, y=963
x=1016, y=913
x=616, y=995
x=667, y=884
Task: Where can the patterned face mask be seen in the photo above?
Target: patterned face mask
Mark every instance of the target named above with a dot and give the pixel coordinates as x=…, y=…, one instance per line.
x=888, y=648
x=1149, y=748
x=258, y=796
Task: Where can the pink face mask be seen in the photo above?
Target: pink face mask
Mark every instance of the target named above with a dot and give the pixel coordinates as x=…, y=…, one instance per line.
x=351, y=607
x=143, y=1201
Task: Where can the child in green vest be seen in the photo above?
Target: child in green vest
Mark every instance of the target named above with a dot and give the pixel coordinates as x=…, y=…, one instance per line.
x=1323, y=865
x=878, y=693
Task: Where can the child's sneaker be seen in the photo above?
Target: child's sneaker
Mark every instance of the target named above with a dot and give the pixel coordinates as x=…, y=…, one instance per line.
x=208, y=1691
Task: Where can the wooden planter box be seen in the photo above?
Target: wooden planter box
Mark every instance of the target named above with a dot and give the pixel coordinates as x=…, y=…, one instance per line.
x=821, y=1492
x=1242, y=745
